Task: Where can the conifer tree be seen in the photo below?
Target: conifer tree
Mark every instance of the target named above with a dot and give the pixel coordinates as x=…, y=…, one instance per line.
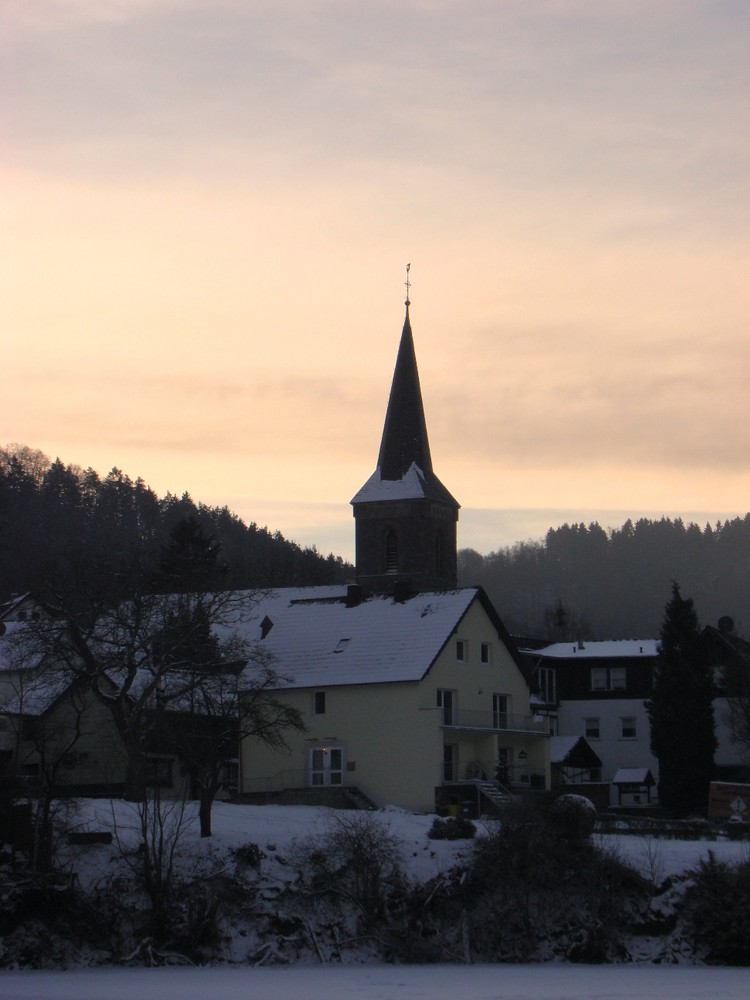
x=681, y=711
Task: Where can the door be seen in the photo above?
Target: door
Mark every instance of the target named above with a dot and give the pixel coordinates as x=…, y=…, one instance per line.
x=500, y=711
x=450, y=761
x=326, y=766
x=446, y=699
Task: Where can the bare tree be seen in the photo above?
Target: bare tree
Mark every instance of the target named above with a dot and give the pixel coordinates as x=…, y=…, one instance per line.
x=167, y=668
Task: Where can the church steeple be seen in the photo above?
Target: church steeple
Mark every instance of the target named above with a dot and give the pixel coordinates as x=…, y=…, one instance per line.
x=405, y=430
x=405, y=517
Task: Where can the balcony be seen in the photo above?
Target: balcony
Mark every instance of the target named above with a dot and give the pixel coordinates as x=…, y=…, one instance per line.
x=492, y=722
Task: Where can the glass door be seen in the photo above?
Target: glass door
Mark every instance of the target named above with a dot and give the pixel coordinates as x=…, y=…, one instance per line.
x=326, y=766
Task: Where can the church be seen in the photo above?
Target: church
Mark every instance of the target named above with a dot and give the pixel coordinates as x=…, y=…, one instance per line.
x=411, y=690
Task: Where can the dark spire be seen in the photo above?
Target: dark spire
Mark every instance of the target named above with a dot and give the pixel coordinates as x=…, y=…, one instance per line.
x=405, y=431
x=406, y=519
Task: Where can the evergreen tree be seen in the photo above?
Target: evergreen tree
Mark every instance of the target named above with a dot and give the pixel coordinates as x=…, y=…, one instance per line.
x=681, y=711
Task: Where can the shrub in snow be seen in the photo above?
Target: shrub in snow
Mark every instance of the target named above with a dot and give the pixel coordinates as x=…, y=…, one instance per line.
x=357, y=859
x=536, y=892
x=574, y=816
x=717, y=910
x=452, y=828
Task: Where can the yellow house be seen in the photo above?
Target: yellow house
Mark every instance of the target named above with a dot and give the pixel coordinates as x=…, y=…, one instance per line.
x=417, y=702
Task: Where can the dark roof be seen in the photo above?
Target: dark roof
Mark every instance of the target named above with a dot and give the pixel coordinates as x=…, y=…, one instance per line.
x=404, y=443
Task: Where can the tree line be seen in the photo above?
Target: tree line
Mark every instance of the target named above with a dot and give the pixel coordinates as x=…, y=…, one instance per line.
x=66, y=532
x=582, y=582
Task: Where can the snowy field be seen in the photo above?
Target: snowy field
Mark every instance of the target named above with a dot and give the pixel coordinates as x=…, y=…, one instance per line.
x=276, y=828
x=382, y=982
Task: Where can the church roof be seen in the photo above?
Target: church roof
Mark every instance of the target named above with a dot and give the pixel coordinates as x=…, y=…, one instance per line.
x=404, y=469
x=321, y=640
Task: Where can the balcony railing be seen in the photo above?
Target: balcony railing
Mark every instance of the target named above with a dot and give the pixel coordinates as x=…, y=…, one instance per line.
x=489, y=721
x=511, y=777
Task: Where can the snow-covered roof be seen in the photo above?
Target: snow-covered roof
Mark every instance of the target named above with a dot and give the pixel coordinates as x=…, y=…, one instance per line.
x=604, y=649
x=16, y=652
x=322, y=641
x=34, y=694
x=560, y=747
x=410, y=487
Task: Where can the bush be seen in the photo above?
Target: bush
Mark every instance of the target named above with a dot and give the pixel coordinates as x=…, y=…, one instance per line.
x=357, y=859
x=536, y=891
x=453, y=828
x=574, y=816
x=249, y=855
x=717, y=910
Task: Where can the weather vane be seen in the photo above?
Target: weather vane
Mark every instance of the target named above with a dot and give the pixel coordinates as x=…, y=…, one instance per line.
x=408, y=285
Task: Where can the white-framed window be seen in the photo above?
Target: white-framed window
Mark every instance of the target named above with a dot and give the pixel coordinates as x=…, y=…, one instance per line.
x=446, y=700
x=617, y=678
x=609, y=678
x=546, y=682
x=628, y=729
x=500, y=709
x=462, y=650
x=599, y=679
x=591, y=728
x=319, y=703
x=485, y=653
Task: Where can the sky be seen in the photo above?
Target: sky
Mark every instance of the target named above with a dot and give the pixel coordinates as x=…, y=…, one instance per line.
x=207, y=208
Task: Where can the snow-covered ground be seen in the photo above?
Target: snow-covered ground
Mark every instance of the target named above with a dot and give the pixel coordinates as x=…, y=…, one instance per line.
x=275, y=829
x=383, y=982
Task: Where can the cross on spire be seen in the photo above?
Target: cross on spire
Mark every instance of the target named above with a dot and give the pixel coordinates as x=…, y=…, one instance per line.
x=408, y=286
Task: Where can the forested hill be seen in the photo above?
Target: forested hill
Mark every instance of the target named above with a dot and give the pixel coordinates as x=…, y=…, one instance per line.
x=585, y=582
x=66, y=532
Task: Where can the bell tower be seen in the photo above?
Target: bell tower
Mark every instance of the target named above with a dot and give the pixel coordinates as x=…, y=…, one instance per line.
x=405, y=519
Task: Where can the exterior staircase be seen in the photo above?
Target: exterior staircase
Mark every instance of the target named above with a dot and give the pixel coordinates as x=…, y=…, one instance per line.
x=495, y=793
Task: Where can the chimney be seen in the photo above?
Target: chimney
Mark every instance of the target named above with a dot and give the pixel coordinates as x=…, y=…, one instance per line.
x=354, y=595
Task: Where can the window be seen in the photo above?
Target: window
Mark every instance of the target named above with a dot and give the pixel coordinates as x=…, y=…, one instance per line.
x=598, y=678
x=608, y=678
x=617, y=678
x=462, y=650
x=485, y=652
x=546, y=683
x=591, y=729
x=230, y=775
x=159, y=772
x=439, y=551
x=628, y=728
x=319, y=703
x=450, y=762
x=500, y=704
x=446, y=701
x=391, y=552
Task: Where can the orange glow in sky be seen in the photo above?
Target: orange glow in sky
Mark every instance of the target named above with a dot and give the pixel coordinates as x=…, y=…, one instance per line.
x=207, y=208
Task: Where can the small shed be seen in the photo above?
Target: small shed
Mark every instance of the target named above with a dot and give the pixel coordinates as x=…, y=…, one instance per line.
x=633, y=786
x=573, y=760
